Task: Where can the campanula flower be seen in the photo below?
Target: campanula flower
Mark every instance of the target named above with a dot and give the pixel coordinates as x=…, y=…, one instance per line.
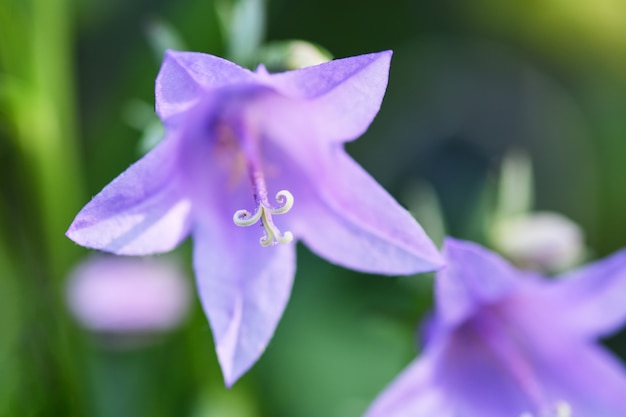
x=250, y=149
x=504, y=342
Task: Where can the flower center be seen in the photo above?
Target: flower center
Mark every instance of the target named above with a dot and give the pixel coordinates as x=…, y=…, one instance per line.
x=264, y=210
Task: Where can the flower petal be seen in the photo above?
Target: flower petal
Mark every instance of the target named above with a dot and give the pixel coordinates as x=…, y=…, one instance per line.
x=591, y=299
x=140, y=212
x=552, y=351
x=414, y=393
x=477, y=372
x=504, y=355
x=349, y=219
x=456, y=375
x=185, y=77
x=595, y=386
x=243, y=286
x=343, y=96
x=340, y=211
x=244, y=289
x=473, y=277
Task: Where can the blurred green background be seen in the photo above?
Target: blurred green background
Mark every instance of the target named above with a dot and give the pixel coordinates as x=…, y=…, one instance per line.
x=469, y=83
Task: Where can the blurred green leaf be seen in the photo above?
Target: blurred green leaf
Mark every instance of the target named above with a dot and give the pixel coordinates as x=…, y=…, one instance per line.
x=10, y=323
x=162, y=36
x=423, y=204
x=243, y=22
x=515, y=187
x=141, y=116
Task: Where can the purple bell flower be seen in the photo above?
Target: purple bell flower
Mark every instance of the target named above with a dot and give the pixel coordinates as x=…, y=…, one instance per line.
x=504, y=342
x=250, y=148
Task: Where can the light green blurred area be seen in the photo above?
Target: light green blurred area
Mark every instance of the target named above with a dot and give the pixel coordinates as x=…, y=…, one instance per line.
x=470, y=81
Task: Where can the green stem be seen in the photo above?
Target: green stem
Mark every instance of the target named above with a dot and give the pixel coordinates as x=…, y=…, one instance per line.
x=52, y=189
x=52, y=139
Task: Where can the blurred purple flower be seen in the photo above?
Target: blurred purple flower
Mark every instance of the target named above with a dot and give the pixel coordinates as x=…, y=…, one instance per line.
x=282, y=132
x=118, y=295
x=503, y=342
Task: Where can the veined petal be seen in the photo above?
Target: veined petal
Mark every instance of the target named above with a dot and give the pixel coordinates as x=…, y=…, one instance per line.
x=482, y=373
x=594, y=386
x=456, y=375
x=342, y=97
x=340, y=211
x=349, y=219
x=244, y=289
x=473, y=277
x=552, y=350
x=186, y=77
x=141, y=212
x=504, y=351
x=591, y=299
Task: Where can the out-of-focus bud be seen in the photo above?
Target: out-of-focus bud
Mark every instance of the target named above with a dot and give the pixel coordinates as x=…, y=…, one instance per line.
x=543, y=241
x=292, y=54
x=128, y=296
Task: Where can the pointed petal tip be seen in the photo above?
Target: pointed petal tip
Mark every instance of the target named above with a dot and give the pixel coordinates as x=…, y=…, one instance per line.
x=437, y=261
x=388, y=53
x=385, y=54
x=261, y=69
x=233, y=367
x=428, y=256
x=243, y=297
x=229, y=377
x=76, y=235
x=69, y=232
x=73, y=233
x=429, y=259
x=371, y=231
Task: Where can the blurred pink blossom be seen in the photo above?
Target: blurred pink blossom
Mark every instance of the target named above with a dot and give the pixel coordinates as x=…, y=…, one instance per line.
x=123, y=295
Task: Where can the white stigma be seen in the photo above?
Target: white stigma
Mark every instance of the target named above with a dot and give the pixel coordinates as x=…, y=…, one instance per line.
x=264, y=212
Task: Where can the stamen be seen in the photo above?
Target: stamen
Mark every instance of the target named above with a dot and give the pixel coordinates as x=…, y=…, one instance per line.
x=250, y=150
x=563, y=409
x=560, y=409
x=264, y=213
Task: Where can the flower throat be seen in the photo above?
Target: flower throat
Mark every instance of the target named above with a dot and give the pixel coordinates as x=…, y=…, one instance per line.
x=249, y=147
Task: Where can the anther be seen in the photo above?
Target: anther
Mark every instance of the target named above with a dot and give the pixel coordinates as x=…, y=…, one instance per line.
x=264, y=212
